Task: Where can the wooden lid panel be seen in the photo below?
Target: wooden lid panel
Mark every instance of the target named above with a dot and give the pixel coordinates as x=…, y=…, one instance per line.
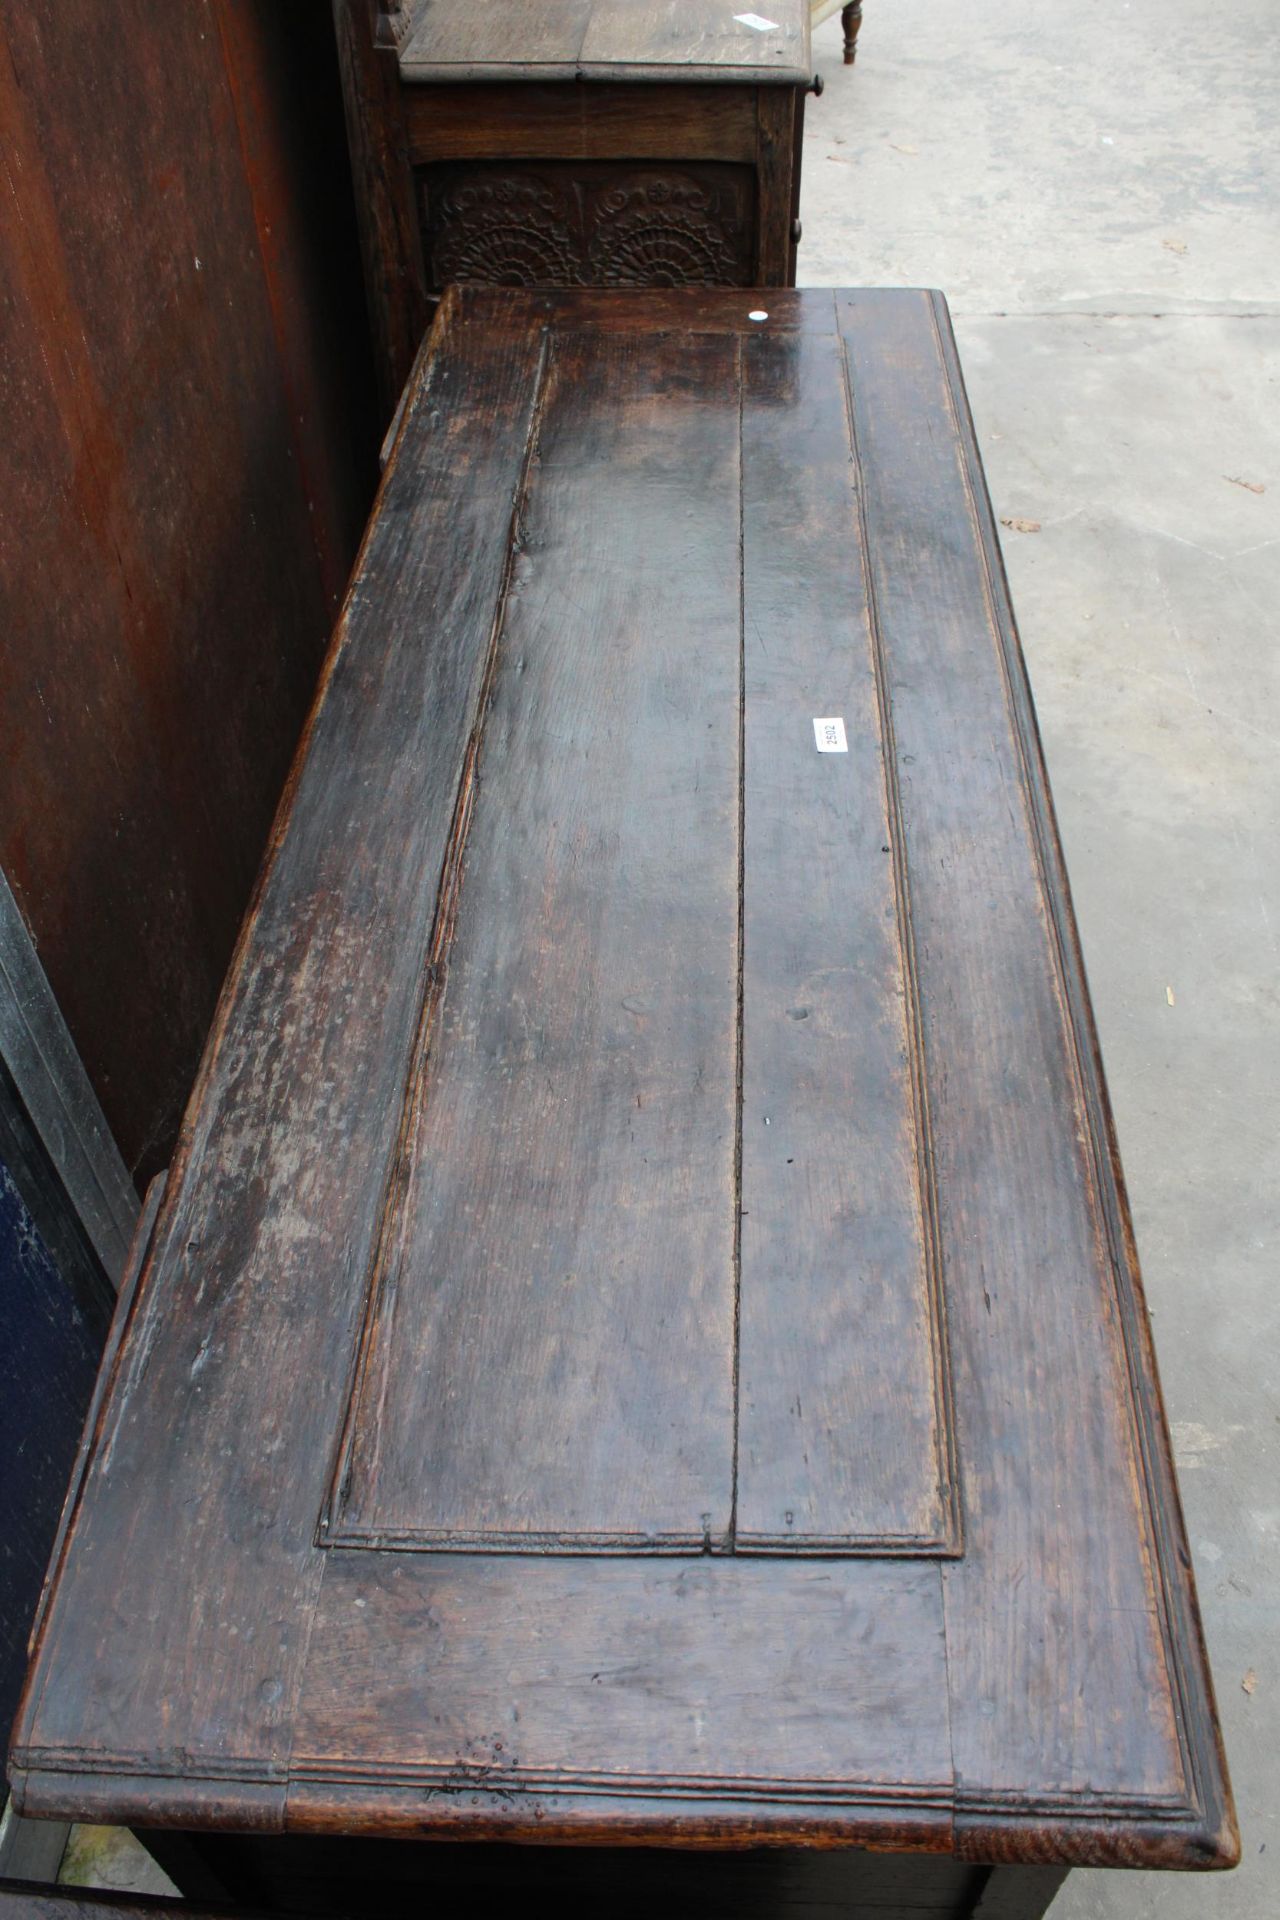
x=681, y=41
x=845, y=1439
x=197, y=1505
x=549, y=1361
x=658, y=515
x=606, y=1284
x=1054, y=1613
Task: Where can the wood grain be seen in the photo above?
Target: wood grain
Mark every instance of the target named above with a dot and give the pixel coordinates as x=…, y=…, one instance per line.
x=635, y=1703
x=296, y=1111
x=579, y=122
x=584, y=98
x=1032, y=1692
x=845, y=1428
x=1032, y=1279
x=565, y=1209
x=779, y=131
x=696, y=40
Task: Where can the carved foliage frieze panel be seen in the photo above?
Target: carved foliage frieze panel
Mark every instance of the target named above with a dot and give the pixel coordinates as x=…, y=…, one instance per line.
x=607, y=225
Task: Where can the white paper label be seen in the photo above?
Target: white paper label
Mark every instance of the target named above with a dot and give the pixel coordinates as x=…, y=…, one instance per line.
x=757, y=22
x=829, y=735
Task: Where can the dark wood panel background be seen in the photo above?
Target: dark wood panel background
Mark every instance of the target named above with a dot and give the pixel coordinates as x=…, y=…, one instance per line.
x=188, y=458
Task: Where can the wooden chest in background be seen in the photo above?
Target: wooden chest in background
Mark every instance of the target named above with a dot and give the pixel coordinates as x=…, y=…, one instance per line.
x=580, y=143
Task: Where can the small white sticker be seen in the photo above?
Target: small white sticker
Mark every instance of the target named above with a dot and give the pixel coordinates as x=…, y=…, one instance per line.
x=757, y=22
x=829, y=735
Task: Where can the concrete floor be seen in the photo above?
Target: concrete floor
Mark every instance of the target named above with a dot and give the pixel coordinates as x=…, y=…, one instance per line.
x=1097, y=190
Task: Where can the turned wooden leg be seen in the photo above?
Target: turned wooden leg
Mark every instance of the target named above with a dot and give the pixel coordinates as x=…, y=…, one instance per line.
x=851, y=20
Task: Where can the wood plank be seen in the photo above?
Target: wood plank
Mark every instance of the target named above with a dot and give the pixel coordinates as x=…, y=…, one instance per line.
x=682, y=1682
x=451, y=41
x=279, y=1179
x=565, y=1210
x=700, y=310
x=49, y=1078
x=699, y=37
x=245, y=1675
x=844, y=1430
x=1058, y=1616
x=579, y=120
x=691, y=40
x=779, y=127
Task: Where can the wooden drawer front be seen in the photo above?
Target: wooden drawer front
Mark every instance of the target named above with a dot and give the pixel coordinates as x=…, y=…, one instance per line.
x=599, y=224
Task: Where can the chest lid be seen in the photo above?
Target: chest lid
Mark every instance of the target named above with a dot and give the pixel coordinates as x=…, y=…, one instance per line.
x=645, y=1304
x=670, y=40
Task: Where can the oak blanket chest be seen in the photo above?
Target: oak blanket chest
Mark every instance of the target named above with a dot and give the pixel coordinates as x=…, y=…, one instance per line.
x=559, y=143
x=642, y=1344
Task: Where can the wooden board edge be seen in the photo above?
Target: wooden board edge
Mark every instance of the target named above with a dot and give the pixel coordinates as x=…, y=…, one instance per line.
x=1143, y=1837
x=1208, y=1836
x=461, y=73
x=190, y=1802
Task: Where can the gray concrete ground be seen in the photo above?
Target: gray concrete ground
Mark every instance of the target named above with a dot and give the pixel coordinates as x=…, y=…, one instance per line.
x=1097, y=190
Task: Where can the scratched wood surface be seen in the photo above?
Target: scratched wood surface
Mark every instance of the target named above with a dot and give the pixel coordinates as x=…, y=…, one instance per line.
x=692, y=40
x=480, y=1280
x=842, y=1349
x=583, y=1041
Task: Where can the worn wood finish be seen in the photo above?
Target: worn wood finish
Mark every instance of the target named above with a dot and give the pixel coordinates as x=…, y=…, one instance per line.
x=49, y=1078
x=779, y=130
x=478, y=1244
x=601, y=1037
x=187, y=462
x=567, y=222
x=536, y=122
x=584, y=142
x=843, y=1351
x=452, y=40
